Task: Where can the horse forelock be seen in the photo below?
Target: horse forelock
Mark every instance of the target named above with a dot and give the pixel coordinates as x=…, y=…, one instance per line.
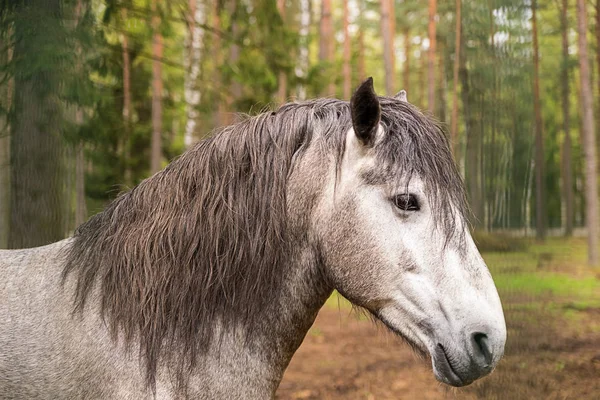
x=202, y=243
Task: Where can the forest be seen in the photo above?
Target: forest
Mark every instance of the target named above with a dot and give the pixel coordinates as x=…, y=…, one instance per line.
x=97, y=95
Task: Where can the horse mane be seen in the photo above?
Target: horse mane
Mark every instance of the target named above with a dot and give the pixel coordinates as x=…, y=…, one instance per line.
x=204, y=241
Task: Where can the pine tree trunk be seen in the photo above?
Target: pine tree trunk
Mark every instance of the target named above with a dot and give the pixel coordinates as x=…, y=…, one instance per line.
x=37, y=170
x=282, y=78
x=568, y=196
x=325, y=42
x=387, y=32
x=458, y=33
x=589, y=140
x=346, y=68
x=127, y=109
x=196, y=19
x=431, y=57
x=540, y=203
x=157, y=88
x=5, y=103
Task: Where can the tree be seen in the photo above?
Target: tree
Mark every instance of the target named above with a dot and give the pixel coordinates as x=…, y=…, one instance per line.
x=431, y=56
x=157, y=89
x=567, y=169
x=282, y=77
x=588, y=136
x=303, y=53
x=37, y=164
x=540, y=201
x=326, y=42
x=387, y=33
x=346, y=68
x=196, y=19
x=5, y=105
x=454, y=118
x=127, y=107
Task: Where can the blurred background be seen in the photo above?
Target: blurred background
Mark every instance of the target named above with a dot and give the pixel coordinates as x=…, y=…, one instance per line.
x=96, y=95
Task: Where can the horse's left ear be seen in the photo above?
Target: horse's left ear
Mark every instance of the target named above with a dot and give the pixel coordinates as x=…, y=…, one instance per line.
x=366, y=112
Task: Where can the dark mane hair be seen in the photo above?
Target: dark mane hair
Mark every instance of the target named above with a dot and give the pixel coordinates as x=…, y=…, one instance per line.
x=205, y=239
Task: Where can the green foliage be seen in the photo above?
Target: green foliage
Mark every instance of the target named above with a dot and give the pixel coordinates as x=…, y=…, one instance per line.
x=493, y=242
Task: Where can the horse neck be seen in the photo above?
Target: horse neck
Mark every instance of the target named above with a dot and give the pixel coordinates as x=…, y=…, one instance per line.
x=237, y=368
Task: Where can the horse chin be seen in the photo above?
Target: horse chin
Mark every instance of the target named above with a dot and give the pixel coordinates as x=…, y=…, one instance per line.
x=443, y=369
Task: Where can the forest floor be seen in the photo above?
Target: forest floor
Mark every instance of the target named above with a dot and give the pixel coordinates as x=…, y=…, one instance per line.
x=552, y=308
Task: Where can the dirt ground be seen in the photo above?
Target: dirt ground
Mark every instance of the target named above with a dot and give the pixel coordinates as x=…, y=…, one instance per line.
x=345, y=356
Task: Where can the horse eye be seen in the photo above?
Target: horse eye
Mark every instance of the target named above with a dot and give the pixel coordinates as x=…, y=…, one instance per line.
x=406, y=202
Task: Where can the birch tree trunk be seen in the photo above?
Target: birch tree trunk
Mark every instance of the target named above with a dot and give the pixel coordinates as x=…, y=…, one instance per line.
x=589, y=140
x=325, y=41
x=567, y=187
x=196, y=19
x=157, y=88
x=431, y=56
x=540, y=202
x=303, y=53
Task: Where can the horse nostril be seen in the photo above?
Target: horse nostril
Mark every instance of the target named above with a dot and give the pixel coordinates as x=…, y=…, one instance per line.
x=482, y=348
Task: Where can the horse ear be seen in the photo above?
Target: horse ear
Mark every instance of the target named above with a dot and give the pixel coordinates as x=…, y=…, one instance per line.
x=401, y=95
x=366, y=112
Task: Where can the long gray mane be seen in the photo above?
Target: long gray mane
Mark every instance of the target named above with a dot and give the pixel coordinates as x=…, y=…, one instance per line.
x=206, y=240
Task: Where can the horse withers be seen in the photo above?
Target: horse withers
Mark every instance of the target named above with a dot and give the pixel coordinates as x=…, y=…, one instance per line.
x=202, y=281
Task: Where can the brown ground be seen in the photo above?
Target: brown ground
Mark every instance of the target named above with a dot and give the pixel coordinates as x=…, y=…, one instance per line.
x=347, y=357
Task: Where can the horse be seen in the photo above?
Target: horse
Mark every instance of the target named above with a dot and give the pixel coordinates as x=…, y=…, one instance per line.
x=203, y=280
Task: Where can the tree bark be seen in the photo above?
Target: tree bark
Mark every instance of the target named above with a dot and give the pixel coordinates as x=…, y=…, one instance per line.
x=589, y=140
x=325, y=42
x=346, y=67
x=431, y=56
x=157, y=89
x=458, y=33
x=5, y=104
x=568, y=196
x=196, y=19
x=303, y=54
x=282, y=78
x=37, y=170
x=540, y=192
x=387, y=33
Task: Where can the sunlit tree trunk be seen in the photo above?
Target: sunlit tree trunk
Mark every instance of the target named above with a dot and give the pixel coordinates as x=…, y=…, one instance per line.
x=157, y=89
x=362, y=69
x=568, y=196
x=588, y=133
x=127, y=108
x=282, y=78
x=387, y=33
x=346, y=68
x=5, y=104
x=196, y=19
x=303, y=54
x=540, y=201
x=326, y=42
x=37, y=170
x=407, y=55
x=431, y=56
x=454, y=118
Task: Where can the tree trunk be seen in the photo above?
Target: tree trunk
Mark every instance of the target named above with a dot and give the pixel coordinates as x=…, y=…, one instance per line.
x=234, y=56
x=5, y=103
x=431, y=58
x=568, y=196
x=441, y=87
x=346, y=68
x=157, y=88
x=387, y=32
x=282, y=78
x=37, y=171
x=362, y=69
x=407, y=54
x=325, y=42
x=303, y=55
x=454, y=129
x=221, y=112
x=540, y=201
x=127, y=108
x=589, y=140
x=196, y=19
